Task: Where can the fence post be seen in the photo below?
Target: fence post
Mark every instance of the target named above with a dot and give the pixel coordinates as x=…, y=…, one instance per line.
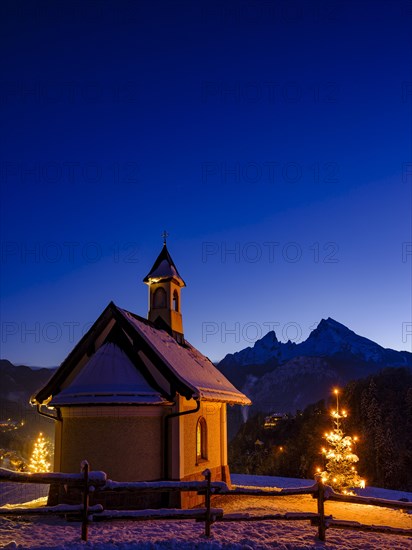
x=85, y=513
x=321, y=510
x=208, y=522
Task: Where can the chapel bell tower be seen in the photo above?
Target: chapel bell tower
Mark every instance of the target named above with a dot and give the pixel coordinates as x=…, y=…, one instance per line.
x=165, y=284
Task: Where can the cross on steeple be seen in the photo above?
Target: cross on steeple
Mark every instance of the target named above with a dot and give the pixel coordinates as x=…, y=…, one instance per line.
x=165, y=234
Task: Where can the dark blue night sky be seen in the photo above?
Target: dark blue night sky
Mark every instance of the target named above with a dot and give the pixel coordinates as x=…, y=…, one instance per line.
x=272, y=140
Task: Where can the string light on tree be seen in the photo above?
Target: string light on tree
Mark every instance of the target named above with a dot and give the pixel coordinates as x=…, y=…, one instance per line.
x=40, y=454
x=340, y=459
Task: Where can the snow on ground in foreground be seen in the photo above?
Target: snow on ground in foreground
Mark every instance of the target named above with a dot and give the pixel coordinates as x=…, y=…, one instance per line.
x=41, y=533
x=285, y=482
x=16, y=493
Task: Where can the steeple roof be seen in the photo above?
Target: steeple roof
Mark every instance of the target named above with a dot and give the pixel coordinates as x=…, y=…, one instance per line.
x=164, y=269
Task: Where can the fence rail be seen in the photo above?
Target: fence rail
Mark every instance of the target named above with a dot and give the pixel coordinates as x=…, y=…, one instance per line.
x=95, y=478
x=97, y=482
x=49, y=510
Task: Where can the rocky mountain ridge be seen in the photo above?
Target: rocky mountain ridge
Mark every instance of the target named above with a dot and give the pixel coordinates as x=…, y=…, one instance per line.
x=286, y=377
x=329, y=338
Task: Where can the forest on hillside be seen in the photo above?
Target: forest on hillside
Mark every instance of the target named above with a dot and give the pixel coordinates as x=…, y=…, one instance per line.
x=379, y=413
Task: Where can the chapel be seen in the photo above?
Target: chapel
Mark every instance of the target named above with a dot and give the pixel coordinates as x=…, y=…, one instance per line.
x=137, y=400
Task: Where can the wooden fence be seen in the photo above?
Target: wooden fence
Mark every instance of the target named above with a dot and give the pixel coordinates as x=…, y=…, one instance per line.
x=89, y=481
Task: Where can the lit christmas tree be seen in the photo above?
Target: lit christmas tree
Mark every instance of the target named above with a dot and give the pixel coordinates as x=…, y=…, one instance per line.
x=38, y=460
x=340, y=471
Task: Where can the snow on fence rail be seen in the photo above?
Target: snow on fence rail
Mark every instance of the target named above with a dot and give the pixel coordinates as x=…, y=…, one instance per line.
x=96, y=478
x=48, y=510
x=162, y=486
x=98, y=482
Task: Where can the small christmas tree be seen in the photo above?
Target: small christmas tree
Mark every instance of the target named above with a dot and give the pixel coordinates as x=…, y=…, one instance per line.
x=40, y=454
x=340, y=471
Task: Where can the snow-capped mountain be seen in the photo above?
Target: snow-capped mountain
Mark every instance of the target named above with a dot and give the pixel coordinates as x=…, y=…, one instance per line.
x=287, y=376
x=329, y=338
x=332, y=338
x=266, y=349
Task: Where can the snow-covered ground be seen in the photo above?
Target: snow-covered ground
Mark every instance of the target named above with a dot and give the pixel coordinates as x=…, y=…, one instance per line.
x=15, y=493
x=51, y=533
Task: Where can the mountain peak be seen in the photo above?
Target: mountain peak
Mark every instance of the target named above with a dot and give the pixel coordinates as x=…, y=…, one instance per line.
x=331, y=323
x=332, y=330
x=263, y=350
x=329, y=338
x=267, y=340
x=333, y=338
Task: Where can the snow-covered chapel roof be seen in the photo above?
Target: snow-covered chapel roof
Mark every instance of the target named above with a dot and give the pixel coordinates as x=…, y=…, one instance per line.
x=188, y=364
x=125, y=359
x=108, y=377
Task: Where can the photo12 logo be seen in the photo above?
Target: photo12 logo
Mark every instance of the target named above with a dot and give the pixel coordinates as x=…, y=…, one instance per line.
x=69, y=172
x=269, y=172
x=67, y=92
x=406, y=332
x=406, y=251
x=406, y=90
x=269, y=252
x=70, y=252
x=263, y=11
x=249, y=332
x=252, y=92
x=49, y=332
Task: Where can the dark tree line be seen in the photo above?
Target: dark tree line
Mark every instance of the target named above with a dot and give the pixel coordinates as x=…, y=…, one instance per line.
x=379, y=413
x=381, y=406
